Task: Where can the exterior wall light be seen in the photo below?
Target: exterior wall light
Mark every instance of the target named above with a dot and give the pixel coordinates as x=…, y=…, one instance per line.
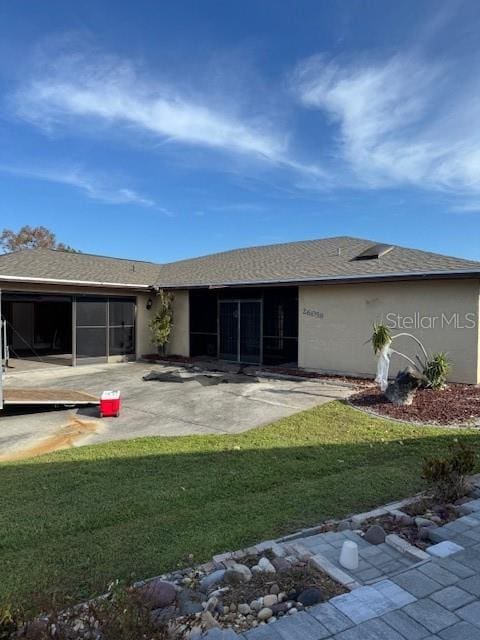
x=149, y=304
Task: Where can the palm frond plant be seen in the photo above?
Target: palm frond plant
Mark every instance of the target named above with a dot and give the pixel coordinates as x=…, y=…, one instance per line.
x=381, y=337
x=436, y=370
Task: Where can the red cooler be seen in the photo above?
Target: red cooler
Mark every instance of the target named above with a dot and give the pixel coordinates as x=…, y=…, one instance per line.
x=110, y=403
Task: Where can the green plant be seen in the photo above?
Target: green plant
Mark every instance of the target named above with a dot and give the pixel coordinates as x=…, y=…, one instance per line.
x=381, y=337
x=161, y=324
x=120, y=614
x=8, y=622
x=436, y=370
x=447, y=477
x=123, y=615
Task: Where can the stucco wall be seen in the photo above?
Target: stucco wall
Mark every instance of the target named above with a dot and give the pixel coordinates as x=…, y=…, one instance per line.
x=179, y=338
x=179, y=344
x=336, y=320
x=144, y=315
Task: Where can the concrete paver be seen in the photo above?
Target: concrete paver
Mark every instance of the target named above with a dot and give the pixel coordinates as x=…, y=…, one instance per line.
x=431, y=615
x=452, y=598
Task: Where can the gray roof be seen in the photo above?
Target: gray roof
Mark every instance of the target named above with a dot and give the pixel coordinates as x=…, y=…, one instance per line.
x=47, y=264
x=311, y=260
x=293, y=262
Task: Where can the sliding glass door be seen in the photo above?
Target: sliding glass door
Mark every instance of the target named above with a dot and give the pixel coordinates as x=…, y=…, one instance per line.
x=91, y=329
x=240, y=331
x=104, y=327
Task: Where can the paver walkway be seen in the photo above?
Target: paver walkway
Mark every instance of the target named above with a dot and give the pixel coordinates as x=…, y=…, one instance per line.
x=432, y=599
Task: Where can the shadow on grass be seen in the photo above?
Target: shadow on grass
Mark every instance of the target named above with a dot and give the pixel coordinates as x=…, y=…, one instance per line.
x=74, y=520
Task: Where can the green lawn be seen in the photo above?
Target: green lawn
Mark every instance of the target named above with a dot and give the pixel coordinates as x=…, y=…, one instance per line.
x=73, y=520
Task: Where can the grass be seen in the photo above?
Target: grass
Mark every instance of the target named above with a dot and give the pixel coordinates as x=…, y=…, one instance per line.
x=73, y=520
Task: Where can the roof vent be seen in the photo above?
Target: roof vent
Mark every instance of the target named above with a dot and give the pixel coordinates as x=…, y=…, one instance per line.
x=374, y=252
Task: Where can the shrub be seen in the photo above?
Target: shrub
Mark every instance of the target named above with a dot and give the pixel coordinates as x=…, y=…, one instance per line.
x=8, y=622
x=119, y=615
x=161, y=325
x=447, y=477
x=436, y=370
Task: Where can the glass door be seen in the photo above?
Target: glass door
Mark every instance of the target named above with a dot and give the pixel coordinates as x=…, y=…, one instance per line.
x=91, y=330
x=250, y=331
x=240, y=331
x=228, y=331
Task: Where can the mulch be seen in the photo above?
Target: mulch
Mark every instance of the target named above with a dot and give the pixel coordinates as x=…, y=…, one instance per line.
x=457, y=404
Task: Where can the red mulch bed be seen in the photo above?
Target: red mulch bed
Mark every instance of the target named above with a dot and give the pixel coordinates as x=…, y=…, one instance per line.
x=457, y=404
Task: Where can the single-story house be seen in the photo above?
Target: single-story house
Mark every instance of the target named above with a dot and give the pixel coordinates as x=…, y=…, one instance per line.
x=309, y=304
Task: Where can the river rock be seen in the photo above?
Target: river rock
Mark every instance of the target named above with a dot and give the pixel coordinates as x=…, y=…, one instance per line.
x=266, y=566
x=209, y=621
x=237, y=574
x=270, y=599
x=212, y=579
x=375, y=534
x=280, y=607
x=157, y=594
x=244, y=608
x=265, y=613
x=310, y=596
x=281, y=564
x=423, y=522
x=275, y=588
x=189, y=602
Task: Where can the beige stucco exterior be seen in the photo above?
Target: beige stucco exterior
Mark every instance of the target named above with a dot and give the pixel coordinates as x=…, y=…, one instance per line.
x=335, y=322
x=179, y=343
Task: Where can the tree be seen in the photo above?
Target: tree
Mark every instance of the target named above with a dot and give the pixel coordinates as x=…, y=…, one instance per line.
x=31, y=238
x=161, y=325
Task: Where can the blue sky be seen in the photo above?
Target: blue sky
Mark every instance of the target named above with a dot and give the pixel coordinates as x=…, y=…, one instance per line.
x=164, y=130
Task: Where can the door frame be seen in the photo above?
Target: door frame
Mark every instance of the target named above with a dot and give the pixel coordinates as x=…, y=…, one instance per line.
x=238, y=302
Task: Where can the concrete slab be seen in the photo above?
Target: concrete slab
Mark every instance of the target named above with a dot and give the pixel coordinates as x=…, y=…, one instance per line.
x=204, y=403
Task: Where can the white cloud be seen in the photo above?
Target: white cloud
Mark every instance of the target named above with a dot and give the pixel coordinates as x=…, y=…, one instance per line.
x=73, y=90
x=92, y=186
x=400, y=121
x=111, y=90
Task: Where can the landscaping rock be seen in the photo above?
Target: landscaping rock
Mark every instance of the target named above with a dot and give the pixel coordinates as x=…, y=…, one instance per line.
x=211, y=604
x=310, y=596
x=237, y=574
x=209, y=621
x=264, y=614
x=402, y=390
x=275, y=589
x=423, y=522
x=403, y=520
x=212, y=579
x=269, y=600
x=281, y=564
x=244, y=609
x=280, y=607
x=375, y=534
x=160, y=616
x=266, y=566
x=157, y=594
x=424, y=532
x=189, y=602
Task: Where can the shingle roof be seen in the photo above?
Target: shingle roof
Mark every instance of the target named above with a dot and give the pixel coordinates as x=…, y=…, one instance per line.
x=47, y=264
x=309, y=261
